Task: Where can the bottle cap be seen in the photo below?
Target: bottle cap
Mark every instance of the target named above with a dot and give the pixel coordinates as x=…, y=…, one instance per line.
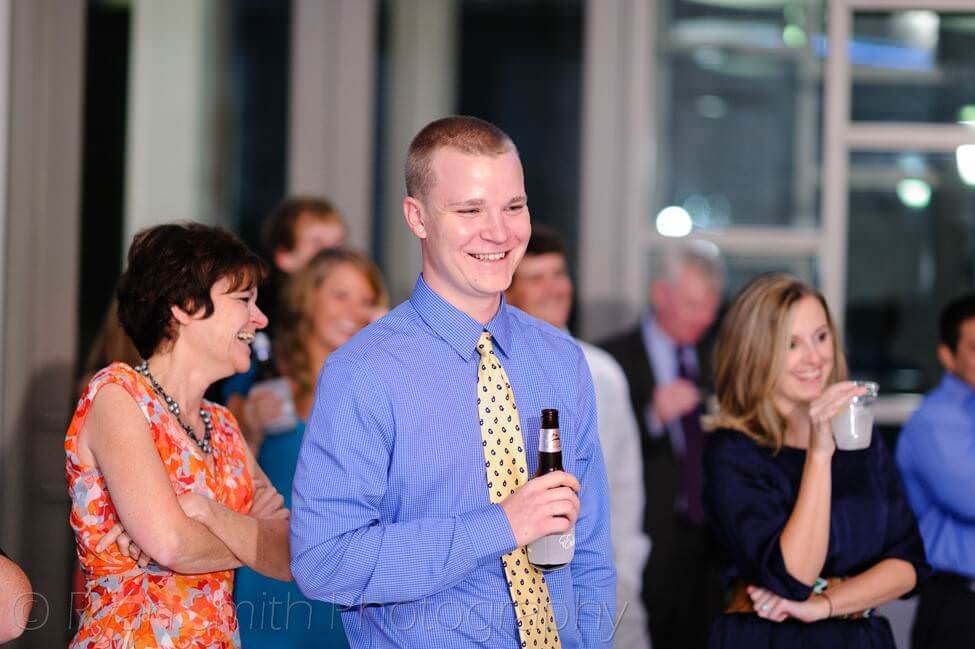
x=550, y=418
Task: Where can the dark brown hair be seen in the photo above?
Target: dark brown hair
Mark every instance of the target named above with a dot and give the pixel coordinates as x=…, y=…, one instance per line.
x=953, y=316
x=461, y=132
x=545, y=241
x=279, y=227
x=176, y=265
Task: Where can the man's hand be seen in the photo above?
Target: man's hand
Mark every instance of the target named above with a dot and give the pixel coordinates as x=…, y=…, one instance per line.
x=542, y=506
x=770, y=606
x=675, y=399
x=268, y=503
x=126, y=545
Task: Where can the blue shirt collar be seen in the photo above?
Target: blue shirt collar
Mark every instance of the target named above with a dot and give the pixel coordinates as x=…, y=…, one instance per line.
x=954, y=387
x=455, y=327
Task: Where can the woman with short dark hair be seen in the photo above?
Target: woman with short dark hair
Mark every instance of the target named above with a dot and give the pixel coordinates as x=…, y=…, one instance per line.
x=146, y=452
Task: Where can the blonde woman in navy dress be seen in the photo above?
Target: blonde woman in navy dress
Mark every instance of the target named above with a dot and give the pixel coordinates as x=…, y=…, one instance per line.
x=816, y=537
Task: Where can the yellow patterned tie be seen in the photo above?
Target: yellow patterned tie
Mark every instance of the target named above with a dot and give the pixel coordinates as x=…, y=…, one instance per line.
x=504, y=460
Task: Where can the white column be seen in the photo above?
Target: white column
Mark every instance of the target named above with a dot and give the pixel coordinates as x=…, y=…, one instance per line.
x=423, y=56
x=619, y=144
x=333, y=63
x=171, y=158
x=40, y=140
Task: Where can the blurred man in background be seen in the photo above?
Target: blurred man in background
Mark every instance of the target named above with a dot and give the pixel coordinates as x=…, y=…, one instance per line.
x=541, y=287
x=662, y=361
x=936, y=457
x=296, y=230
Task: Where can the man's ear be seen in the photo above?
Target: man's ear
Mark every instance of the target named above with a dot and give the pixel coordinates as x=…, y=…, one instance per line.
x=415, y=217
x=946, y=358
x=286, y=261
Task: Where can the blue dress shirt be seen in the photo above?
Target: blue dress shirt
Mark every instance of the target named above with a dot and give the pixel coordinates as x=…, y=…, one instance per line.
x=936, y=457
x=392, y=517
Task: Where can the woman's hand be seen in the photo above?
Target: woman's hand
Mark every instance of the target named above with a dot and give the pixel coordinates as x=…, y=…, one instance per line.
x=126, y=546
x=268, y=503
x=825, y=407
x=774, y=608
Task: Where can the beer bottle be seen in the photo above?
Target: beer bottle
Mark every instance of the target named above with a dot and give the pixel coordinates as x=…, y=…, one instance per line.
x=555, y=550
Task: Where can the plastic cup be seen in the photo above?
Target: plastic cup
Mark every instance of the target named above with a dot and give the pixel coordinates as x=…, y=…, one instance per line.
x=287, y=420
x=853, y=425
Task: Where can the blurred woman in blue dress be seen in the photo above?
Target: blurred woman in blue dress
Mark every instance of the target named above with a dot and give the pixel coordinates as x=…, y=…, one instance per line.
x=325, y=304
x=816, y=537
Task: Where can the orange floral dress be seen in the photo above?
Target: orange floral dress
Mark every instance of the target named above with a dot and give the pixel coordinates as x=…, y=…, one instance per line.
x=129, y=606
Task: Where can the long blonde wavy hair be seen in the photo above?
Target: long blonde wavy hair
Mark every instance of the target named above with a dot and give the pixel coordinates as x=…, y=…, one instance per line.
x=296, y=315
x=750, y=352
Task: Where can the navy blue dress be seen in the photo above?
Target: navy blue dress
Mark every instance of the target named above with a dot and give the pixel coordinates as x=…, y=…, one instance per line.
x=749, y=493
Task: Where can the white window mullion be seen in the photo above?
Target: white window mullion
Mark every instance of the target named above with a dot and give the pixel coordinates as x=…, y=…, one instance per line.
x=835, y=191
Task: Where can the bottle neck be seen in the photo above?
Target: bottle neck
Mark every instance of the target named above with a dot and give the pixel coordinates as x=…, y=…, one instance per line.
x=549, y=450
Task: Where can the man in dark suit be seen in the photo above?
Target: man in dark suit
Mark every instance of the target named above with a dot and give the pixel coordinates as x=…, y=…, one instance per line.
x=666, y=370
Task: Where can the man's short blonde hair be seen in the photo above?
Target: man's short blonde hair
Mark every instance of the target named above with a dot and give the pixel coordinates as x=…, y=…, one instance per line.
x=461, y=132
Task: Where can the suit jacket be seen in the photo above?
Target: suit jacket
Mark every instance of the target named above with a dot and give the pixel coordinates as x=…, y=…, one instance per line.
x=662, y=469
x=682, y=589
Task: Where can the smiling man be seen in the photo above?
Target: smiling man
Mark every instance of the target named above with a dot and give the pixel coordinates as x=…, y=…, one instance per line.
x=412, y=505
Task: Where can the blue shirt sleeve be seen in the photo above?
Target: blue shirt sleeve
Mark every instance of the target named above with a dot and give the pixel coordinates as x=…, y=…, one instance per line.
x=342, y=551
x=748, y=509
x=593, y=571
x=938, y=452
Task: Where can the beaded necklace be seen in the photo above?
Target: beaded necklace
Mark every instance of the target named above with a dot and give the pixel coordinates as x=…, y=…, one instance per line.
x=204, y=444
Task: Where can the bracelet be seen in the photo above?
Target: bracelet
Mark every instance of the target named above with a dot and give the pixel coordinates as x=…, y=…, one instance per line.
x=828, y=601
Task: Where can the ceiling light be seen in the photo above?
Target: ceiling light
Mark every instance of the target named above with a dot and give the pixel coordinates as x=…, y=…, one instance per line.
x=674, y=221
x=914, y=193
x=965, y=157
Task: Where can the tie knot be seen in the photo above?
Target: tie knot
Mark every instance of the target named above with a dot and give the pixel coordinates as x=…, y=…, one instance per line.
x=484, y=344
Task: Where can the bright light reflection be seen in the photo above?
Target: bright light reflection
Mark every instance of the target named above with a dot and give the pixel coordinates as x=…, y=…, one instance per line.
x=914, y=193
x=965, y=157
x=966, y=115
x=794, y=37
x=674, y=221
